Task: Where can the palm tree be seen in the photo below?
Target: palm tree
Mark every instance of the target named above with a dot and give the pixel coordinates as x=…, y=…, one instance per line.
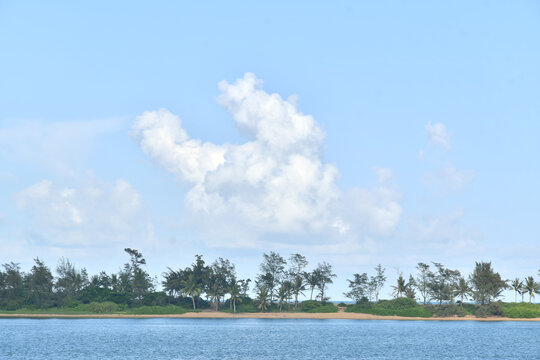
x=214, y=292
x=531, y=287
x=284, y=293
x=517, y=285
x=171, y=284
x=401, y=286
x=262, y=299
x=462, y=289
x=312, y=279
x=235, y=291
x=298, y=286
x=191, y=288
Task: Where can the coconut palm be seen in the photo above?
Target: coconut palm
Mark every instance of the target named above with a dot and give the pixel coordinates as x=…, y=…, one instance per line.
x=262, y=299
x=298, y=286
x=401, y=286
x=517, y=285
x=462, y=289
x=191, y=288
x=531, y=287
x=214, y=291
x=235, y=291
x=284, y=293
x=312, y=279
x=172, y=283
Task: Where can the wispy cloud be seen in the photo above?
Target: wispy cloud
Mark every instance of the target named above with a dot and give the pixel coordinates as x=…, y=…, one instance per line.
x=94, y=213
x=449, y=178
x=438, y=135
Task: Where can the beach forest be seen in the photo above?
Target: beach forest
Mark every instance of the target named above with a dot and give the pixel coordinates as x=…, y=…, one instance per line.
x=282, y=285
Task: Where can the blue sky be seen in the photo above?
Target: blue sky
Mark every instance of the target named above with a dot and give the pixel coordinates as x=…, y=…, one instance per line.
x=429, y=112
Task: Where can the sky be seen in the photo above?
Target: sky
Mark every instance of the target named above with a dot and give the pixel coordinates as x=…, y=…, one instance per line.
x=352, y=132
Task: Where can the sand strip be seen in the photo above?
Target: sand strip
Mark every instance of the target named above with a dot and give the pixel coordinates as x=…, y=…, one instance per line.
x=282, y=315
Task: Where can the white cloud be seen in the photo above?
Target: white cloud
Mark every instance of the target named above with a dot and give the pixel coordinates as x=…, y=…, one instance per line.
x=438, y=135
x=164, y=139
x=449, y=178
x=384, y=174
x=274, y=183
x=94, y=213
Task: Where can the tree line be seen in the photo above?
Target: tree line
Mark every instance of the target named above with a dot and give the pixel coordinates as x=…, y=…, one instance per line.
x=279, y=284
x=440, y=284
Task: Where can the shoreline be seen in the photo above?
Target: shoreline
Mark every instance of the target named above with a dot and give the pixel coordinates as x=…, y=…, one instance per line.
x=282, y=315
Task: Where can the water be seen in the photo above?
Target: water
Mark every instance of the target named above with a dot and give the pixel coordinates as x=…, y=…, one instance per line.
x=266, y=339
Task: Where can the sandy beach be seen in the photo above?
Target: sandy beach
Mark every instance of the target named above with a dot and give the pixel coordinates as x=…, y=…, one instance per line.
x=282, y=315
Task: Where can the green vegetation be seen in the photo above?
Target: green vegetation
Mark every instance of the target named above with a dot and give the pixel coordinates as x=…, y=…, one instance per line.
x=158, y=310
x=278, y=287
x=133, y=291
x=521, y=310
x=397, y=307
x=102, y=308
x=443, y=286
x=74, y=309
x=313, y=306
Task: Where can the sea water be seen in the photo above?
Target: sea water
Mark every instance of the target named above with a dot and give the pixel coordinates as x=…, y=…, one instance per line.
x=167, y=338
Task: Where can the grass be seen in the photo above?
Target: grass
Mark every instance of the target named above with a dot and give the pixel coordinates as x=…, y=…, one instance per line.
x=521, y=310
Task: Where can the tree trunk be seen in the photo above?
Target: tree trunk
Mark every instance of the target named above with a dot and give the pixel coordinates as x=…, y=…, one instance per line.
x=234, y=305
x=193, y=301
x=311, y=296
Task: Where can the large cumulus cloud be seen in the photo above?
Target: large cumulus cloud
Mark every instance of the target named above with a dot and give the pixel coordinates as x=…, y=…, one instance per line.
x=275, y=182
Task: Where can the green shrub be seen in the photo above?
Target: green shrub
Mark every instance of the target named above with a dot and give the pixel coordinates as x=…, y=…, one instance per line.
x=106, y=307
x=309, y=305
x=157, y=310
x=12, y=306
x=246, y=306
x=72, y=304
x=470, y=309
x=399, y=303
x=314, y=306
x=360, y=308
x=326, y=308
x=398, y=307
x=449, y=310
x=493, y=309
